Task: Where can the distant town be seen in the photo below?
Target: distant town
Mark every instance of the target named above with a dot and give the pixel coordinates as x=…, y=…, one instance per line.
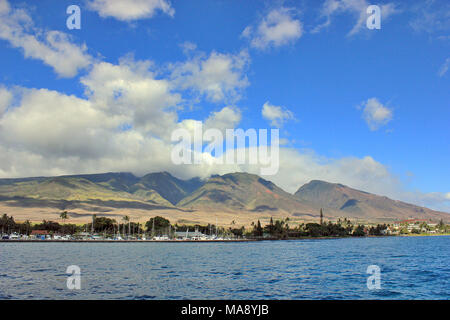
x=160, y=229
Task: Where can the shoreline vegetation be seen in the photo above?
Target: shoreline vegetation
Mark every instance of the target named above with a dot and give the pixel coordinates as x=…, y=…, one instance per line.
x=215, y=240
x=158, y=228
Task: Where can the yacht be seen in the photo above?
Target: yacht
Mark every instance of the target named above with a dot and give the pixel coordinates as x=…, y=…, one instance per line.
x=13, y=236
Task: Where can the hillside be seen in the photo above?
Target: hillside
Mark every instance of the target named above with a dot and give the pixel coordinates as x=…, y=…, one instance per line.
x=169, y=187
x=243, y=191
x=234, y=196
x=356, y=203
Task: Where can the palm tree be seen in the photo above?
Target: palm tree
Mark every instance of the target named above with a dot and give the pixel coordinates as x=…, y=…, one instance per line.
x=63, y=216
x=28, y=226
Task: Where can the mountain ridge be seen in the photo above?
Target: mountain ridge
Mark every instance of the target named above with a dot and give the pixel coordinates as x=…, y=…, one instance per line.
x=353, y=201
x=233, y=193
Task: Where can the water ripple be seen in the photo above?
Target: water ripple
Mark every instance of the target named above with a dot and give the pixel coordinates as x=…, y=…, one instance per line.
x=411, y=268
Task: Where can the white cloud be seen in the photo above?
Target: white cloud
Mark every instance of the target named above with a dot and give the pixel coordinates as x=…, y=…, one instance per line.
x=123, y=122
x=51, y=133
x=218, y=77
x=47, y=122
x=444, y=68
x=376, y=114
x=128, y=10
x=54, y=48
x=278, y=28
x=188, y=47
x=355, y=7
x=277, y=115
x=4, y=7
x=131, y=91
x=227, y=118
x=5, y=99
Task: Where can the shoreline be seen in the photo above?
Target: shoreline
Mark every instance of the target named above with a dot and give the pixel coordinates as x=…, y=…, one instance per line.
x=128, y=241
x=211, y=241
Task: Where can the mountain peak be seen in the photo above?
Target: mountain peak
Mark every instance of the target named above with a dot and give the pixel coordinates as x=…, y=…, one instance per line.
x=238, y=193
x=357, y=203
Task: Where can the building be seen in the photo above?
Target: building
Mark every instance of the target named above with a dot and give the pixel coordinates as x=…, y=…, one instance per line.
x=40, y=234
x=190, y=235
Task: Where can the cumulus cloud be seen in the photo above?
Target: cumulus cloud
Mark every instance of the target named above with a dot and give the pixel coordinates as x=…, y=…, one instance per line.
x=124, y=120
x=218, y=77
x=5, y=99
x=51, y=133
x=376, y=114
x=278, y=28
x=54, y=48
x=227, y=118
x=129, y=10
x=131, y=91
x=50, y=122
x=277, y=115
x=357, y=8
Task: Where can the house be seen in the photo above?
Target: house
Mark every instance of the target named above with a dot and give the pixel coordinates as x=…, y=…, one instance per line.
x=40, y=234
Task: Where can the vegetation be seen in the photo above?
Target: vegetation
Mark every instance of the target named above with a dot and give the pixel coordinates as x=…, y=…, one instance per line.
x=158, y=225
x=278, y=229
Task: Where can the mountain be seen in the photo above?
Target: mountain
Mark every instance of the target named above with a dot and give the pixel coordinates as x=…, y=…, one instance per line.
x=356, y=203
x=169, y=187
x=243, y=191
x=116, y=181
x=90, y=192
x=235, y=196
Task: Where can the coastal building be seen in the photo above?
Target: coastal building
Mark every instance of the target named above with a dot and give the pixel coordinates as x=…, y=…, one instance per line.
x=190, y=235
x=40, y=234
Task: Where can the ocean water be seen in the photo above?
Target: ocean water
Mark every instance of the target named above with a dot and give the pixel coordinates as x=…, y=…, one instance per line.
x=411, y=268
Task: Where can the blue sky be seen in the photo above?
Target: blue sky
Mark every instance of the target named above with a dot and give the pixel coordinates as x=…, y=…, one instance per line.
x=367, y=108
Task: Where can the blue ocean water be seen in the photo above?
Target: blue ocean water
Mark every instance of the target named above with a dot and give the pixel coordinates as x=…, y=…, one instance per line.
x=411, y=268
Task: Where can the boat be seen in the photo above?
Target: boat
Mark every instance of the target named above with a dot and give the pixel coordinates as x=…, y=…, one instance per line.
x=13, y=236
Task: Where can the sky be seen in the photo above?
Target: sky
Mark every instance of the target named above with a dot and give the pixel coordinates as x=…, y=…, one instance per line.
x=368, y=108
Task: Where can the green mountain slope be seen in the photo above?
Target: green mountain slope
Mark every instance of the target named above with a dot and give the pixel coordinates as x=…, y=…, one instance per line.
x=243, y=191
x=169, y=187
x=82, y=188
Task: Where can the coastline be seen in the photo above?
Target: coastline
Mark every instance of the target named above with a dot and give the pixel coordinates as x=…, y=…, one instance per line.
x=213, y=241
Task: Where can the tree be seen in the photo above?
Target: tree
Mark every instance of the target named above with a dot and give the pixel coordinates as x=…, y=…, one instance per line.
x=359, y=231
x=63, y=216
x=441, y=225
x=157, y=224
x=321, y=216
x=104, y=224
x=94, y=216
x=28, y=226
x=314, y=229
x=258, y=230
x=270, y=228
